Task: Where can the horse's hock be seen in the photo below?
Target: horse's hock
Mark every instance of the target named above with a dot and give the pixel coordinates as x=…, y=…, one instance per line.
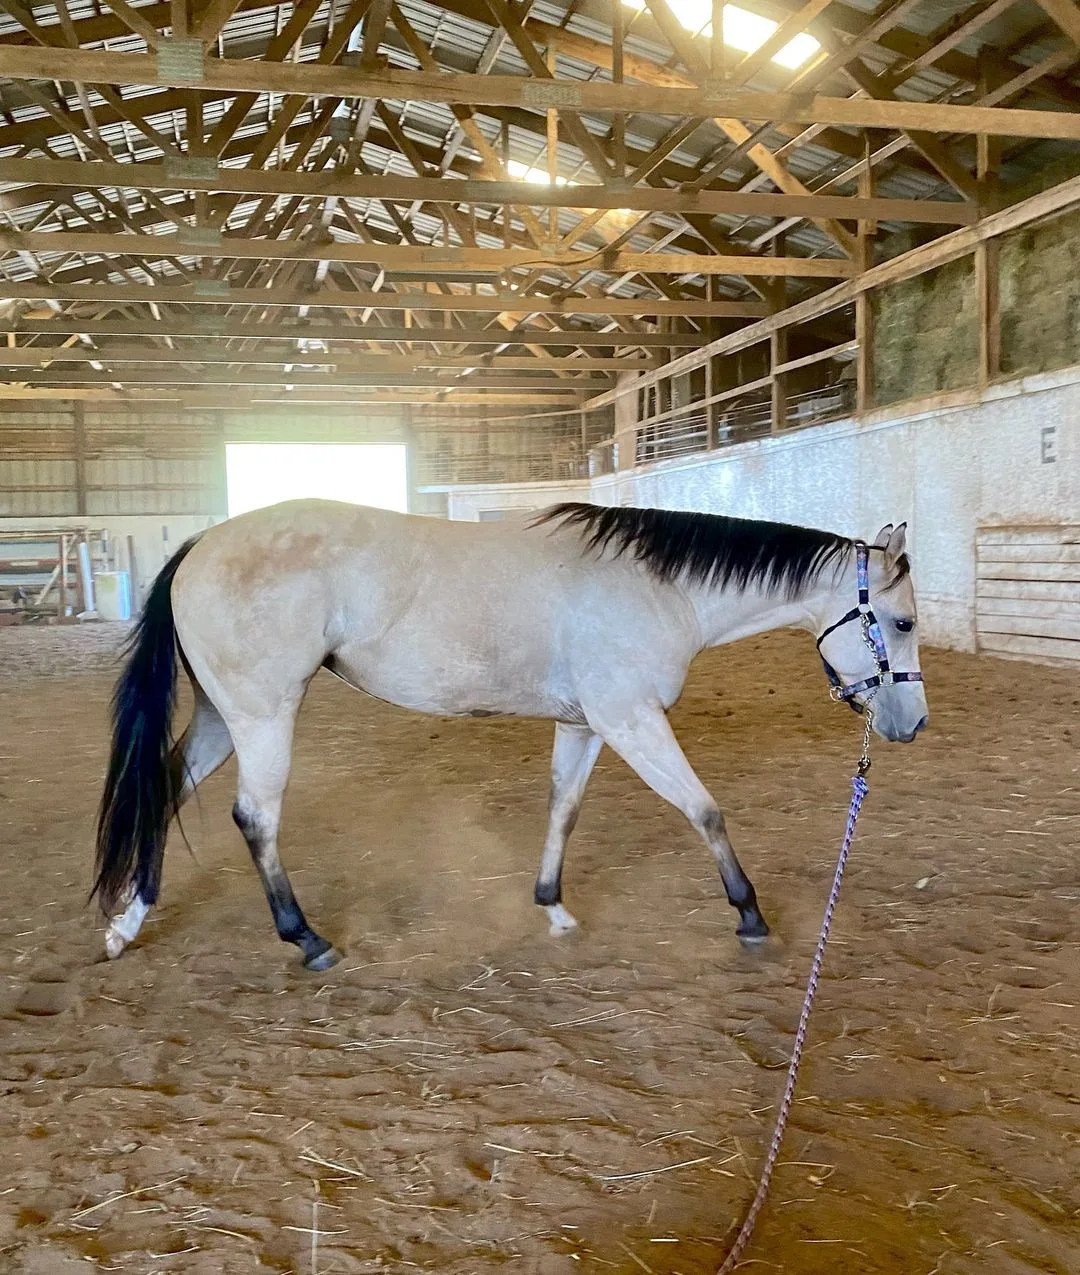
x=463, y=1091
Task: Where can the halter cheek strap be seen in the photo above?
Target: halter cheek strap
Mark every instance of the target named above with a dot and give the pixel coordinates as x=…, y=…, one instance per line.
x=872, y=636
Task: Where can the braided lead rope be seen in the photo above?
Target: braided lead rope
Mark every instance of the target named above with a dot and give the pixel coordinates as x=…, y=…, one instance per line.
x=859, y=791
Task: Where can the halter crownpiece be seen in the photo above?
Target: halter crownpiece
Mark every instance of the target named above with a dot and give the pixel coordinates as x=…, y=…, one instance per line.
x=872, y=636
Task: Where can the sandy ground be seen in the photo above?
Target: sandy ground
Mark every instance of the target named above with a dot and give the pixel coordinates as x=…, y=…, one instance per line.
x=465, y=1095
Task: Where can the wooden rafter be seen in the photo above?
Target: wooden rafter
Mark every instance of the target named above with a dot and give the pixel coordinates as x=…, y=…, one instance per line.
x=1067, y=16
x=192, y=324
x=438, y=260
x=333, y=183
x=213, y=292
x=311, y=80
x=187, y=356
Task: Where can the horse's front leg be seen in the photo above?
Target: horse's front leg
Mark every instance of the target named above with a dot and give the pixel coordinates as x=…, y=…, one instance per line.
x=643, y=738
x=572, y=759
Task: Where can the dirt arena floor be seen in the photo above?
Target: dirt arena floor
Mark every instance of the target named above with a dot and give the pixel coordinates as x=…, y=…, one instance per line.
x=463, y=1094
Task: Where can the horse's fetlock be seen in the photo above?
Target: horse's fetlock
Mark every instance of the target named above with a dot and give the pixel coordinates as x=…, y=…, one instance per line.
x=548, y=893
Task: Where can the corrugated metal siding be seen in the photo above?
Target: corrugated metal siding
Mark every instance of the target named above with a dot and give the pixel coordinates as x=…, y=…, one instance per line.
x=37, y=486
x=360, y=425
x=152, y=460
x=37, y=467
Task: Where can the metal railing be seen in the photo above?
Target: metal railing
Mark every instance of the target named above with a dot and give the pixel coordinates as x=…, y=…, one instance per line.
x=687, y=432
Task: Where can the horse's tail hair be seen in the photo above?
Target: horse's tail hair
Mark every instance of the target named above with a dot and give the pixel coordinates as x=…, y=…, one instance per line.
x=140, y=796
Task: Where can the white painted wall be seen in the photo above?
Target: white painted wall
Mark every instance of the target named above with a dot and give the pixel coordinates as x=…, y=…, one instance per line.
x=467, y=502
x=946, y=472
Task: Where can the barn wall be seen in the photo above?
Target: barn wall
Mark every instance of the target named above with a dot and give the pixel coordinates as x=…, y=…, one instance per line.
x=475, y=503
x=945, y=472
x=62, y=459
x=989, y=462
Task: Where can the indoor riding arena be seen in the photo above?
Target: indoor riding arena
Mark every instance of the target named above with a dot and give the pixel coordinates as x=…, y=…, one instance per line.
x=777, y=303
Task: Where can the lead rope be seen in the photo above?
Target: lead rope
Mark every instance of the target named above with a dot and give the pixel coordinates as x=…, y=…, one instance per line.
x=859, y=790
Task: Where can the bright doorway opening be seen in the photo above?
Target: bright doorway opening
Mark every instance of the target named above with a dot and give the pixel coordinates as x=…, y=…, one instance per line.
x=261, y=474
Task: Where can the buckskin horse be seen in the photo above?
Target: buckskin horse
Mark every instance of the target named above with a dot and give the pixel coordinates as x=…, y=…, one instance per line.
x=586, y=615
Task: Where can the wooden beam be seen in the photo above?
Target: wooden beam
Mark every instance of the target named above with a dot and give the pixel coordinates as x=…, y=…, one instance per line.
x=1067, y=16
x=179, y=324
x=315, y=80
x=214, y=18
x=40, y=357
x=954, y=33
x=135, y=22
x=259, y=398
x=211, y=292
x=429, y=380
x=452, y=260
x=819, y=356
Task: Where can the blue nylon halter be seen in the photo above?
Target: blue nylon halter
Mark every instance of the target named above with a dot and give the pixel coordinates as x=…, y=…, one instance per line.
x=872, y=636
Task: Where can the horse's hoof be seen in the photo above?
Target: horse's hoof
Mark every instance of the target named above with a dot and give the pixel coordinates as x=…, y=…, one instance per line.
x=753, y=930
x=562, y=921
x=324, y=961
x=114, y=944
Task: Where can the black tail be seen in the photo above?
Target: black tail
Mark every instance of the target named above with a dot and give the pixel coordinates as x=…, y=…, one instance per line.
x=140, y=793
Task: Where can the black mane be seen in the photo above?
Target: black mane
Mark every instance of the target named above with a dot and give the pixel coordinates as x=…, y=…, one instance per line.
x=707, y=548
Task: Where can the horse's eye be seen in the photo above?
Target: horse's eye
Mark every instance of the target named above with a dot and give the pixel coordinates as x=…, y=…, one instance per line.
x=905, y=626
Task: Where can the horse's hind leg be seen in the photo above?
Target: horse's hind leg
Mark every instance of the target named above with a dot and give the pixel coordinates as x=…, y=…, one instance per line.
x=203, y=747
x=572, y=759
x=646, y=742
x=263, y=750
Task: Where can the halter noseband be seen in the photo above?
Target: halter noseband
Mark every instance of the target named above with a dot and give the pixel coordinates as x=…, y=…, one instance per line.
x=872, y=636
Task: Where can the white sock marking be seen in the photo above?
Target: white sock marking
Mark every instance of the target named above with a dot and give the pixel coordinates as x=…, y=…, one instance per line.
x=561, y=921
x=124, y=927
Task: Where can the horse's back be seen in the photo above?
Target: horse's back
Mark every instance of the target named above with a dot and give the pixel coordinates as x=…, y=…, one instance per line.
x=439, y=616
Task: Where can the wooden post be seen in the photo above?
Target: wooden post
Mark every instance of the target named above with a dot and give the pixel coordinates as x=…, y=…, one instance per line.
x=133, y=572
x=717, y=51
x=618, y=122
x=504, y=148
x=79, y=420
x=409, y=434
x=987, y=157
x=778, y=346
x=986, y=258
x=553, y=152
x=864, y=313
x=986, y=284
x=62, y=605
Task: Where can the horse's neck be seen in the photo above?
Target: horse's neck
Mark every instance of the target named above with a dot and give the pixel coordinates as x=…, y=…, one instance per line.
x=726, y=615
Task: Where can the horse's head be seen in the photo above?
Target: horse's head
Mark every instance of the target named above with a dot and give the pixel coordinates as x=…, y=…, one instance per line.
x=869, y=637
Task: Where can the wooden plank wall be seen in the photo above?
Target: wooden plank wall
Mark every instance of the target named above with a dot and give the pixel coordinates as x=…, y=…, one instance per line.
x=1028, y=592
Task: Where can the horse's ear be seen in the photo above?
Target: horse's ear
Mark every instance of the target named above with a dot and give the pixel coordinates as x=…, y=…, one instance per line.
x=894, y=546
x=883, y=535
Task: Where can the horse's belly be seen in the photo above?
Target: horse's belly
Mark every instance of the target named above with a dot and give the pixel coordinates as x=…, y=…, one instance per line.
x=457, y=683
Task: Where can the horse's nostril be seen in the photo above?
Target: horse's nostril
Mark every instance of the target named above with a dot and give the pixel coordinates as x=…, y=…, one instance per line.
x=922, y=723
